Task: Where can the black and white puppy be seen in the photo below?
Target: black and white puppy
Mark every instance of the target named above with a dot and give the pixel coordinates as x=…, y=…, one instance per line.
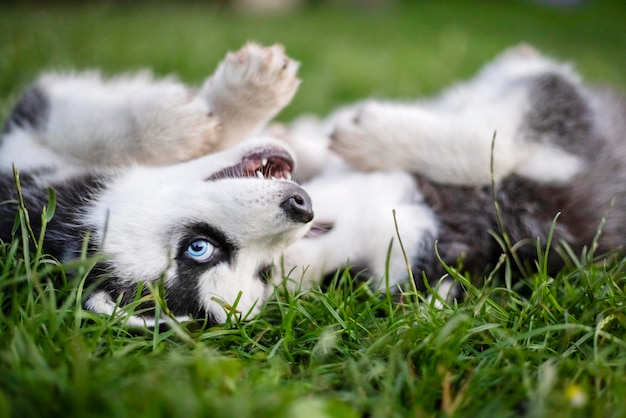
x=120, y=154
x=559, y=149
x=127, y=158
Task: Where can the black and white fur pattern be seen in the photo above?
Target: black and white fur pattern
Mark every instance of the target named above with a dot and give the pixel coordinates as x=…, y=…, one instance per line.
x=559, y=148
x=127, y=158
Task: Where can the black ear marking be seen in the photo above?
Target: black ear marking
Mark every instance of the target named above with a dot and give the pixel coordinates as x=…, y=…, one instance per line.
x=30, y=111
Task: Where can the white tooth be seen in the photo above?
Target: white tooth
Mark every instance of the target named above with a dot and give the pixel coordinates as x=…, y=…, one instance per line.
x=264, y=162
x=259, y=175
x=288, y=176
x=274, y=178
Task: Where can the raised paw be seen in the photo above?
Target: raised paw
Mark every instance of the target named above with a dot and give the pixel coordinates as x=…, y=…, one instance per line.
x=265, y=76
x=369, y=139
x=255, y=77
x=249, y=88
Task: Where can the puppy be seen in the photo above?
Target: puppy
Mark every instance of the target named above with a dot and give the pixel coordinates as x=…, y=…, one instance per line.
x=558, y=150
x=127, y=158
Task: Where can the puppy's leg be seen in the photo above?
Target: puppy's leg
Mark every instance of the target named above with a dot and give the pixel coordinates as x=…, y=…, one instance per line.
x=85, y=119
x=248, y=89
x=449, y=138
x=446, y=148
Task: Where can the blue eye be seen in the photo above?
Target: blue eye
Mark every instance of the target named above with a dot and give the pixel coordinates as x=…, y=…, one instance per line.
x=200, y=250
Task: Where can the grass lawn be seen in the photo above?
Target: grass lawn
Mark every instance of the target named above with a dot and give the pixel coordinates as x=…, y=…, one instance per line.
x=553, y=347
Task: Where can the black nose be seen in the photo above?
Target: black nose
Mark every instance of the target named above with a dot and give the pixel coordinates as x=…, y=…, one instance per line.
x=298, y=206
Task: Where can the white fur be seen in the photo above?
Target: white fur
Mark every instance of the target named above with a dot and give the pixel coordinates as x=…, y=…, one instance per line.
x=249, y=88
x=144, y=135
x=449, y=139
x=137, y=221
x=22, y=149
x=360, y=207
x=101, y=302
x=95, y=121
x=136, y=122
x=446, y=290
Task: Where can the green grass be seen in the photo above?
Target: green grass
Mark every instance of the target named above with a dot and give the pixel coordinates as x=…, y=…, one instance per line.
x=346, y=352
x=342, y=353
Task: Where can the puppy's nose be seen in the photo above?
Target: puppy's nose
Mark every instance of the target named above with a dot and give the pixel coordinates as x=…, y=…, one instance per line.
x=298, y=206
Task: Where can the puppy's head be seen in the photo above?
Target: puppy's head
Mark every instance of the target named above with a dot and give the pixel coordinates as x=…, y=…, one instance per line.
x=209, y=228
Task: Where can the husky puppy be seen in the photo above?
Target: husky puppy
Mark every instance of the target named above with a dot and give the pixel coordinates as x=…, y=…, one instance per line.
x=558, y=150
x=127, y=159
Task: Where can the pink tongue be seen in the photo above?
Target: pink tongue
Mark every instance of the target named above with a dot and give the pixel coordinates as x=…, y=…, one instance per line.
x=319, y=229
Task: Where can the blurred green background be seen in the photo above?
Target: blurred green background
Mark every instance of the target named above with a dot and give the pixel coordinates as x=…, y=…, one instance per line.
x=348, y=49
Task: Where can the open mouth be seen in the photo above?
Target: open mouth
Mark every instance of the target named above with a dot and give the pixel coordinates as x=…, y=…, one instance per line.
x=265, y=163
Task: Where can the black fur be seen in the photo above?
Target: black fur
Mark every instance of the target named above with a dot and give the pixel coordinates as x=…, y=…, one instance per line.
x=560, y=112
x=182, y=296
x=31, y=111
x=584, y=122
x=65, y=233
x=587, y=123
x=467, y=219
